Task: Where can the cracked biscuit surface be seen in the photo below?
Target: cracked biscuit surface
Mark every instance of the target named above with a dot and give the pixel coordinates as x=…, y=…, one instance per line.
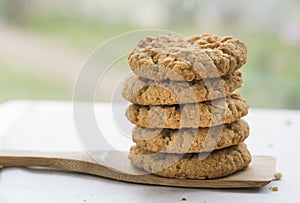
x=203, y=114
x=190, y=140
x=148, y=92
x=217, y=164
x=198, y=57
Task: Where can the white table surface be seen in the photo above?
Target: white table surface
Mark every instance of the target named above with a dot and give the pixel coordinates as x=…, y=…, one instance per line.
x=46, y=125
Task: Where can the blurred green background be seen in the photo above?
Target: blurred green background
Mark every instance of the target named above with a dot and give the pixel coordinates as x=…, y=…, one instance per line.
x=44, y=43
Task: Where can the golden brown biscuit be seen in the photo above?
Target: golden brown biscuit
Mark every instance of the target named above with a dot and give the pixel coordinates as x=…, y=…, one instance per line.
x=206, y=114
x=198, y=57
x=190, y=140
x=218, y=163
x=148, y=92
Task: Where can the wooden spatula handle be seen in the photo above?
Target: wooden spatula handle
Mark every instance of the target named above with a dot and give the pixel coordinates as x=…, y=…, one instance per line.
x=72, y=161
x=80, y=162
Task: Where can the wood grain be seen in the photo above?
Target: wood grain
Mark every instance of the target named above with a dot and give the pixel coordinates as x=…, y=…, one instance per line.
x=258, y=174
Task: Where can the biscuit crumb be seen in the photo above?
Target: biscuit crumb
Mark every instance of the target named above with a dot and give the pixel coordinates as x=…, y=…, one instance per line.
x=278, y=176
x=183, y=199
x=275, y=188
x=288, y=122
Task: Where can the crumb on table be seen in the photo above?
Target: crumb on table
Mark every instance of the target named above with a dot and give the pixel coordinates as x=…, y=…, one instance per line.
x=288, y=122
x=183, y=199
x=278, y=176
x=275, y=188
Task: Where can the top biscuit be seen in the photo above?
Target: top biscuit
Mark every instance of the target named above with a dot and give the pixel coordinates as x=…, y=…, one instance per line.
x=198, y=57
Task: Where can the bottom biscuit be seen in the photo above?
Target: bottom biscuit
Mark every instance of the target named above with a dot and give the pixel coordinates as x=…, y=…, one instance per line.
x=216, y=164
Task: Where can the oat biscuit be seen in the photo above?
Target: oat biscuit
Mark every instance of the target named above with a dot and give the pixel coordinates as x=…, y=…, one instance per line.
x=198, y=57
x=190, y=140
x=148, y=92
x=217, y=164
x=205, y=114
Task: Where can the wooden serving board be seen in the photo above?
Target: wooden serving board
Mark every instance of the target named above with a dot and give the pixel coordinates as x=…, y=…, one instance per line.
x=258, y=174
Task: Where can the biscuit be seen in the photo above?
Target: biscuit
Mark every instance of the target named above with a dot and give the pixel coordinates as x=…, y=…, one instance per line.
x=205, y=114
x=149, y=92
x=190, y=140
x=218, y=163
x=198, y=57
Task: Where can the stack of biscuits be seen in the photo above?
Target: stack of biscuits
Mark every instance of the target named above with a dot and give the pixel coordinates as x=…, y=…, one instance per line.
x=186, y=112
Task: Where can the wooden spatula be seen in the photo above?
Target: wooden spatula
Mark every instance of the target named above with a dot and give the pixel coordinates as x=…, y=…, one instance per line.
x=260, y=172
